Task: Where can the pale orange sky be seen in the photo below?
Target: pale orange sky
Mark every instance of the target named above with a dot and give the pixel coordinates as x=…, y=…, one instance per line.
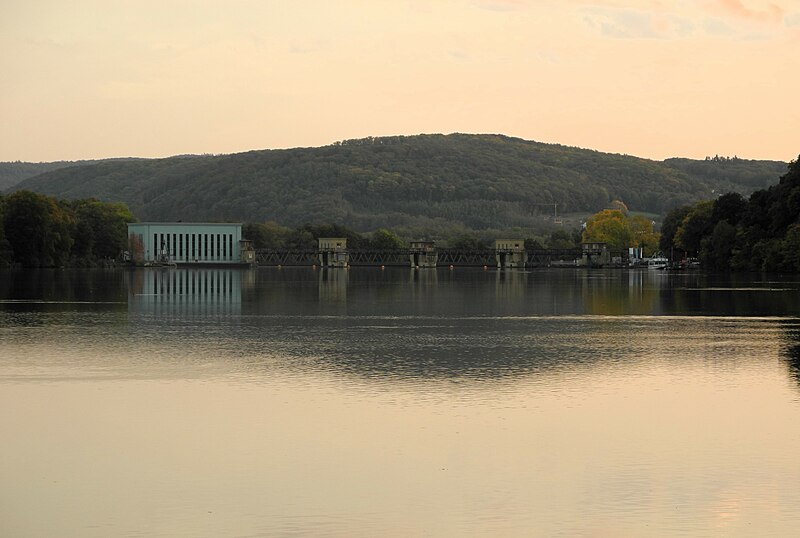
x=654, y=78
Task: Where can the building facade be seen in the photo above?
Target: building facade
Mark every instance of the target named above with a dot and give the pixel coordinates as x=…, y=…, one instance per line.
x=423, y=254
x=332, y=252
x=185, y=243
x=595, y=254
x=510, y=253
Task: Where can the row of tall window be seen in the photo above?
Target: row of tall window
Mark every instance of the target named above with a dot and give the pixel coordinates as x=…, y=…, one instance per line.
x=189, y=247
x=200, y=283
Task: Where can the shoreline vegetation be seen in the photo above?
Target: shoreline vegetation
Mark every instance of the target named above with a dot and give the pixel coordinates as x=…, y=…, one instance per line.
x=40, y=231
x=734, y=233
x=731, y=232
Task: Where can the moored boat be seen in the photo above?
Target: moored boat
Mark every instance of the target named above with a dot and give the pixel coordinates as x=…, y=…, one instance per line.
x=658, y=262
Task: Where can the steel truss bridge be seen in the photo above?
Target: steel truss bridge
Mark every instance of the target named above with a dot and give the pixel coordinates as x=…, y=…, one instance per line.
x=402, y=257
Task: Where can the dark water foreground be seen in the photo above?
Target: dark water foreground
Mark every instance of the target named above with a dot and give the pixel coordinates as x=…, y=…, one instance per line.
x=398, y=403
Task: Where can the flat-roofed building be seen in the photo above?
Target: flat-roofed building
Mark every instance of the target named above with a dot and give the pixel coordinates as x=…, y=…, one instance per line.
x=332, y=252
x=185, y=242
x=510, y=253
x=423, y=254
x=595, y=254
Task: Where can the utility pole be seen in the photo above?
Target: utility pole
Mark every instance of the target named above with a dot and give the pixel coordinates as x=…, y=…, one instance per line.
x=556, y=220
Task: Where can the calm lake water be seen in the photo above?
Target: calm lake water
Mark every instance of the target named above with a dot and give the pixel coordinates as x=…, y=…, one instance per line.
x=400, y=403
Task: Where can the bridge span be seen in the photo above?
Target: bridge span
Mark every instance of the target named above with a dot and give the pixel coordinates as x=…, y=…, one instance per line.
x=406, y=257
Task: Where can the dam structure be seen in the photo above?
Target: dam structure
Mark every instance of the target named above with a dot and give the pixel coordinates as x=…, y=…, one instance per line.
x=334, y=253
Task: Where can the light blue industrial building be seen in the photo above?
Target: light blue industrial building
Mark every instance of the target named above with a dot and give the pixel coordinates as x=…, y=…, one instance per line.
x=187, y=243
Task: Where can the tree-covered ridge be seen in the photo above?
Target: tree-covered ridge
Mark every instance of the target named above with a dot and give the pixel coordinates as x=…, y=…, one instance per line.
x=410, y=183
x=428, y=180
x=735, y=233
x=16, y=172
x=13, y=173
x=731, y=174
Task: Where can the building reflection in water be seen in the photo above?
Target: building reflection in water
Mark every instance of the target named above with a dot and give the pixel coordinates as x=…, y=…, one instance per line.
x=510, y=284
x=188, y=292
x=421, y=282
x=424, y=276
x=333, y=285
x=617, y=293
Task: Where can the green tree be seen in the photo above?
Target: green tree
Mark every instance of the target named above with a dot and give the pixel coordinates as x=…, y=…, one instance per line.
x=306, y=236
x=266, y=235
x=730, y=207
x=717, y=248
x=610, y=226
x=771, y=253
x=669, y=227
x=467, y=241
x=38, y=230
x=101, y=230
x=791, y=249
x=6, y=254
x=694, y=227
x=561, y=239
x=646, y=238
x=301, y=239
x=532, y=243
x=383, y=239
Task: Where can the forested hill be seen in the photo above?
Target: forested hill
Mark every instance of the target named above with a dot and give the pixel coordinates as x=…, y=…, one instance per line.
x=16, y=172
x=12, y=173
x=425, y=181
x=731, y=174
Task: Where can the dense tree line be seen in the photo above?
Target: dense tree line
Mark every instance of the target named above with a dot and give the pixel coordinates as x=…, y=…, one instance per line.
x=759, y=233
x=414, y=184
x=39, y=231
x=271, y=235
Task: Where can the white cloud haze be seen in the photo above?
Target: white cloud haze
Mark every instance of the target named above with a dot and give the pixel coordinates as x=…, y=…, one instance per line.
x=98, y=78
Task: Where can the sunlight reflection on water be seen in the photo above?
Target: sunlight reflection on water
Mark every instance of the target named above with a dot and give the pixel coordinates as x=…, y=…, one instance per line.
x=286, y=411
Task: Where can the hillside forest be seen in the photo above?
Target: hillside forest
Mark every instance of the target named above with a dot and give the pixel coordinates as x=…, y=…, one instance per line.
x=13, y=173
x=381, y=193
x=418, y=186
x=729, y=233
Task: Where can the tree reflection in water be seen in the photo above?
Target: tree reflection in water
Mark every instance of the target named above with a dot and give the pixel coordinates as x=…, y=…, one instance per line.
x=793, y=350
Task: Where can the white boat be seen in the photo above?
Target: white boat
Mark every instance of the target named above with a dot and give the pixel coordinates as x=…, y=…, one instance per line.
x=658, y=262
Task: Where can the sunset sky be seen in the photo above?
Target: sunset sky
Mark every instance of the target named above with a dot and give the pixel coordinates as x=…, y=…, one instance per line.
x=654, y=78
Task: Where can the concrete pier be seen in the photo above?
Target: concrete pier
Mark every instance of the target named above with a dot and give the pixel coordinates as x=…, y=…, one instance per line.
x=332, y=252
x=423, y=254
x=510, y=253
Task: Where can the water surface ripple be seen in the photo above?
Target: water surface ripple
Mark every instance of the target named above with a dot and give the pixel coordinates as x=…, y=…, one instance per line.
x=399, y=403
